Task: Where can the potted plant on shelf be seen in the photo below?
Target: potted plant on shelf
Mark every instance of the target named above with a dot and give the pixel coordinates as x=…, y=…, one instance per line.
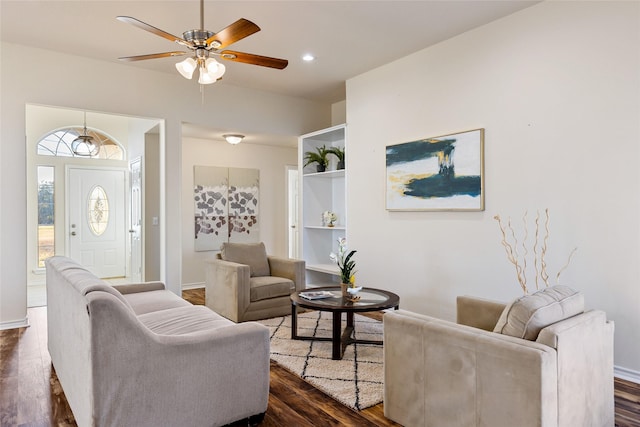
x=319, y=156
x=339, y=153
x=347, y=269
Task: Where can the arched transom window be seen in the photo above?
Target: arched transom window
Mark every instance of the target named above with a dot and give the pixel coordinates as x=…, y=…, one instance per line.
x=58, y=143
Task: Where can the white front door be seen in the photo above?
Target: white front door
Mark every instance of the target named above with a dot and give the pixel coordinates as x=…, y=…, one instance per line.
x=96, y=225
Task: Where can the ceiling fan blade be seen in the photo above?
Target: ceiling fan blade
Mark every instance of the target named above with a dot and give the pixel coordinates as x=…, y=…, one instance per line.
x=151, y=56
x=150, y=28
x=231, y=34
x=249, y=58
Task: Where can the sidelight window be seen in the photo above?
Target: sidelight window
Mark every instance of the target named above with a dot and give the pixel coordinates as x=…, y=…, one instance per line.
x=46, y=236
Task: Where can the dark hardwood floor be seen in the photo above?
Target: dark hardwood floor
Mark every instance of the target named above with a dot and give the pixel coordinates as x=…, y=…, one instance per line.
x=30, y=394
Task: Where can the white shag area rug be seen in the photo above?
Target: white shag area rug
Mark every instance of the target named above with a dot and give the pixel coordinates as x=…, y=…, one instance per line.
x=355, y=381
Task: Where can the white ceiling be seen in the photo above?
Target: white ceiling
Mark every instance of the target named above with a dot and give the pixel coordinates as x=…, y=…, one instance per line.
x=347, y=37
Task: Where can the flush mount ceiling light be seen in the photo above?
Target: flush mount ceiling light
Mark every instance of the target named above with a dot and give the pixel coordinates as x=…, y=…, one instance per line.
x=84, y=145
x=233, y=138
x=203, y=44
x=308, y=57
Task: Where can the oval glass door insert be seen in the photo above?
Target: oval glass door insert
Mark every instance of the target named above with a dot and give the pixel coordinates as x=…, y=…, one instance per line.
x=98, y=210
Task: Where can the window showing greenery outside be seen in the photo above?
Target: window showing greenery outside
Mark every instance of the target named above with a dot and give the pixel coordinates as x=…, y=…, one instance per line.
x=46, y=208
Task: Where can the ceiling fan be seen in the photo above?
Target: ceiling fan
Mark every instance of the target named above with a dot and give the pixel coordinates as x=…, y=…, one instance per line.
x=204, y=44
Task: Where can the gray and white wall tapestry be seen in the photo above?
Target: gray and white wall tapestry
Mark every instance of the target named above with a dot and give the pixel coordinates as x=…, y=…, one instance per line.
x=226, y=206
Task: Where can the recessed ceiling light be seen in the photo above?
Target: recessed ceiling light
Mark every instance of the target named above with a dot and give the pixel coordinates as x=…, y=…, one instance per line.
x=308, y=57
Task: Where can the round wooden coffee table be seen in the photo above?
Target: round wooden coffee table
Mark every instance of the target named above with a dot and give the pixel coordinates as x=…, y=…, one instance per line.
x=370, y=300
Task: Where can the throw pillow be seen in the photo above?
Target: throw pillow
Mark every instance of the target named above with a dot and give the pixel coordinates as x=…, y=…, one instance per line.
x=528, y=315
x=252, y=254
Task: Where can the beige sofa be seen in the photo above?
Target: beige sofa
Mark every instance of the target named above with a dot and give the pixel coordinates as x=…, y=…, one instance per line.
x=445, y=374
x=138, y=355
x=244, y=283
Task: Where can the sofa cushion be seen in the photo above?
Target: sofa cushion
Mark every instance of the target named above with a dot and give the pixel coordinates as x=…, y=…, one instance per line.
x=527, y=315
x=252, y=254
x=147, y=302
x=183, y=320
x=266, y=287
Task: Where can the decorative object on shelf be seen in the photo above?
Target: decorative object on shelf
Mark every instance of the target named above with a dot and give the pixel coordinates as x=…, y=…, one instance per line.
x=226, y=206
x=421, y=175
x=319, y=156
x=539, y=250
x=329, y=219
x=346, y=265
x=339, y=153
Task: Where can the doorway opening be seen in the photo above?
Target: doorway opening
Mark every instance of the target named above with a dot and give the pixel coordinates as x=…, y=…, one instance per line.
x=76, y=203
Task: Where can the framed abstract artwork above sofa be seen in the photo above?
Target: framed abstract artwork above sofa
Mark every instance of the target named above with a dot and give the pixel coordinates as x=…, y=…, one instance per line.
x=436, y=173
x=226, y=206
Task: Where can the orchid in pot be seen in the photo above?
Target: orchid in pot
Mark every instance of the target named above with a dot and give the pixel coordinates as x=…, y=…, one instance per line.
x=347, y=266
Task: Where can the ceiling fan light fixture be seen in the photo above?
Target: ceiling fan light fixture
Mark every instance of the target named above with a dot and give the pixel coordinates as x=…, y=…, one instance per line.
x=214, y=68
x=203, y=43
x=233, y=138
x=187, y=67
x=205, y=78
x=211, y=71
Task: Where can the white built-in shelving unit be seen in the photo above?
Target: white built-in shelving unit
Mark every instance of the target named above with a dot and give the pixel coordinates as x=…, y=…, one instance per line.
x=319, y=192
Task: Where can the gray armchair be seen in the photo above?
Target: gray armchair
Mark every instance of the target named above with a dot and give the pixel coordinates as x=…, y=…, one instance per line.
x=557, y=374
x=244, y=283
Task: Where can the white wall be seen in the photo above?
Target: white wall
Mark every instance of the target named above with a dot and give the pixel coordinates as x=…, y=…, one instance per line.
x=38, y=76
x=152, y=207
x=557, y=88
x=270, y=160
x=338, y=113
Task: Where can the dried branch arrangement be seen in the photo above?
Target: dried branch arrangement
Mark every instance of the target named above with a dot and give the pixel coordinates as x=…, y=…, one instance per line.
x=540, y=246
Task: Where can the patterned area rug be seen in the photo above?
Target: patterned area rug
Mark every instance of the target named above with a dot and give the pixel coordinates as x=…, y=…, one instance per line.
x=355, y=381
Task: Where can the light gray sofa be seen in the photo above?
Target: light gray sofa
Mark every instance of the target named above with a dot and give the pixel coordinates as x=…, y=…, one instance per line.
x=138, y=355
x=244, y=283
x=445, y=374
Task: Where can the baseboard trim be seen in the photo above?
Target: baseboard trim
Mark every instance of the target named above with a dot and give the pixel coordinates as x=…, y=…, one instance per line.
x=188, y=286
x=14, y=324
x=626, y=374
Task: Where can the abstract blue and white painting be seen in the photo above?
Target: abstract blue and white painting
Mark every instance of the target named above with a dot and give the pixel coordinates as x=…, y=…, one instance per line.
x=438, y=173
